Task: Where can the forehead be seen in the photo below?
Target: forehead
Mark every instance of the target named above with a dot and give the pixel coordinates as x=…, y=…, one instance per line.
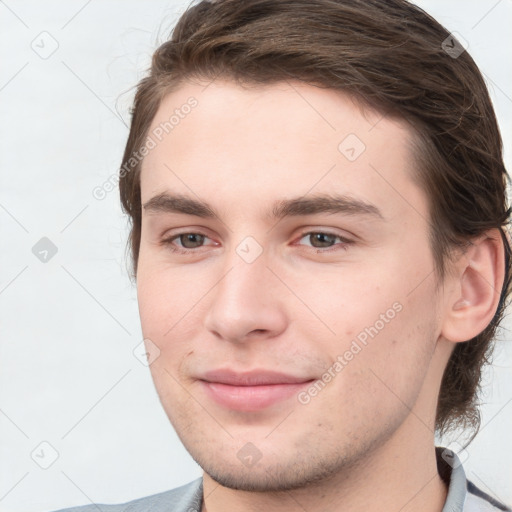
x=241, y=145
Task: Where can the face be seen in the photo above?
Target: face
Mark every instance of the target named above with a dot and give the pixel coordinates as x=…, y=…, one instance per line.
x=285, y=281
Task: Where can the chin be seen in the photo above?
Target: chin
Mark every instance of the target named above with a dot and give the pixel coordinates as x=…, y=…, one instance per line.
x=276, y=477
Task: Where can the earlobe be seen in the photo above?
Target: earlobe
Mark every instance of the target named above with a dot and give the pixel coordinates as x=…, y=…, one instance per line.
x=475, y=299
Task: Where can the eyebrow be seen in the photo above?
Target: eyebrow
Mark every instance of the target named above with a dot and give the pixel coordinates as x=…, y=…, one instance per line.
x=300, y=206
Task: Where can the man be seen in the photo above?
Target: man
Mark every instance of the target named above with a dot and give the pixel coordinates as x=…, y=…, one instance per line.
x=317, y=198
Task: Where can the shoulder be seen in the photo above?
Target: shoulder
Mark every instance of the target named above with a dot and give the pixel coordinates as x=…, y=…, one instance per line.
x=186, y=498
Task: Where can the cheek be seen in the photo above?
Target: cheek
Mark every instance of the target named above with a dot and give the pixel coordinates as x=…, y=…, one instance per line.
x=396, y=354
x=349, y=301
x=166, y=298
x=384, y=325
x=378, y=373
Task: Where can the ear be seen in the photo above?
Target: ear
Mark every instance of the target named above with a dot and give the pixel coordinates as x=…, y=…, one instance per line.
x=479, y=274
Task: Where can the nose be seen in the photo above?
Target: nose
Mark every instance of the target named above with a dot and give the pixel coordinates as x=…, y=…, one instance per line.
x=246, y=303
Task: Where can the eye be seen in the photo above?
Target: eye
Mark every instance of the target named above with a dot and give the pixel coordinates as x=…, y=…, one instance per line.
x=325, y=240
x=184, y=243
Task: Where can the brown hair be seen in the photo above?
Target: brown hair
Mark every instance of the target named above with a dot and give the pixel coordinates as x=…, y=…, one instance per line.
x=394, y=59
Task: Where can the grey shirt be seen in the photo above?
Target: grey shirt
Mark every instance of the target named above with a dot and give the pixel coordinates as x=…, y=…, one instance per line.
x=463, y=495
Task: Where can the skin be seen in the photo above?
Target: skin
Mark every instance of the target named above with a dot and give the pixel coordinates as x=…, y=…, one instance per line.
x=366, y=440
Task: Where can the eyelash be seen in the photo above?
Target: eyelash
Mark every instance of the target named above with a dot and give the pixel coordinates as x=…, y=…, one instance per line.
x=343, y=246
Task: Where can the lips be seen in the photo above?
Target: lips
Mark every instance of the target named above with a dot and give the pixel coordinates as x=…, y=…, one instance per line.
x=250, y=391
x=253, y=378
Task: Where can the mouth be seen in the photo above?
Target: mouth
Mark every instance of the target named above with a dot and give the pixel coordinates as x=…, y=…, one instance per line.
x=251, y=391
